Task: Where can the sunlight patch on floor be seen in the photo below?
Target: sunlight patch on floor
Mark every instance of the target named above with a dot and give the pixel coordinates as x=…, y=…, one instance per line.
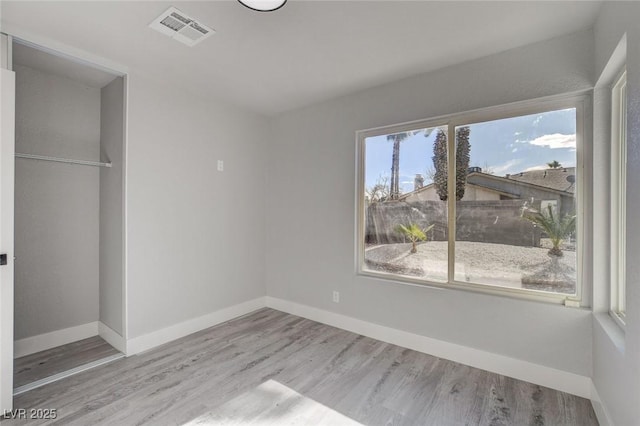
x=272, y=403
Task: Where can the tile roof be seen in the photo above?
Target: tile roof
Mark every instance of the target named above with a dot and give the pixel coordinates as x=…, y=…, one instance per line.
x=470, y=184
x=561, y=179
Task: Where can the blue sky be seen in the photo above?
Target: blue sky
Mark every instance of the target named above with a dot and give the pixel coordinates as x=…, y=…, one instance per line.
x=505, y=146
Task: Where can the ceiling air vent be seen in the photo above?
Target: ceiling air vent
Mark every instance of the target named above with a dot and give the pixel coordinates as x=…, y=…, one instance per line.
x=181, y=27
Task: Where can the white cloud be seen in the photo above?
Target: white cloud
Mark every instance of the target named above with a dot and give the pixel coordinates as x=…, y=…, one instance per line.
x=555, y=141
x=505, y=168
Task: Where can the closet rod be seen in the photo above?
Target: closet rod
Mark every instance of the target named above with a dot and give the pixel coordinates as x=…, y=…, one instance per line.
x=63, y=160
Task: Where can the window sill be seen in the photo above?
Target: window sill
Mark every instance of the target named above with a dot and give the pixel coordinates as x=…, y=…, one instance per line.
x=511, y=293
x=612, y=329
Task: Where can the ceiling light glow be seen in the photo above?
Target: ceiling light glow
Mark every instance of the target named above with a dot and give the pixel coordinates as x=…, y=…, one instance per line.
x=263, y=5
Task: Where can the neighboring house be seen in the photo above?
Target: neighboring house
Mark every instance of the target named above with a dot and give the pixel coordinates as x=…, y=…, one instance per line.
x=561, y=179
x=472, y=192
x=551, y=186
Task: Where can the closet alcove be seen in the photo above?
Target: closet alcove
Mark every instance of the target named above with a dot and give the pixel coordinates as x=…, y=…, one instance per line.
x=69, y=239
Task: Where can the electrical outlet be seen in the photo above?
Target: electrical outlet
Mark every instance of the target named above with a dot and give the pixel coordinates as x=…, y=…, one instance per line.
x=336, y=296
x=220, y=165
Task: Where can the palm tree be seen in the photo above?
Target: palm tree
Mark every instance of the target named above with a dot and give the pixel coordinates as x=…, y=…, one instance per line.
x=414, y=234
x=556, y=228
x=397, y=138
x=554, y=164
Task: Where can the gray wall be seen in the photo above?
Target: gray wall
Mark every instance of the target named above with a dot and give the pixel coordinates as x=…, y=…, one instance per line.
x=112, y=205
x=491, y=221
x=56, y=205
x=195, y=235
x=616, y=369
x=311, y=238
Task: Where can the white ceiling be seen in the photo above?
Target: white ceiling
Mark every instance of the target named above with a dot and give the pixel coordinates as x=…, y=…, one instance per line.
x=306, y=52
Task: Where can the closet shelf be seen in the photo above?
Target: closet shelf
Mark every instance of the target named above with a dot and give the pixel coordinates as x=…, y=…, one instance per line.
x=63, y=160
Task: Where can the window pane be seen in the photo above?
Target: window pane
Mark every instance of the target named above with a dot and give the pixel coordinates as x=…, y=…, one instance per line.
x=515, y=208
x=405, y=219
x=618, y=196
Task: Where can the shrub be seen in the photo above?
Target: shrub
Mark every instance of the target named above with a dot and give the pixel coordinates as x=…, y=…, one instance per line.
x=414, y=234
x=558, y=229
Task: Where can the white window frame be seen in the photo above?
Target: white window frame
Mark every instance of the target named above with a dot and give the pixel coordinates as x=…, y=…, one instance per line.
x=536, y=106
x=618, y=198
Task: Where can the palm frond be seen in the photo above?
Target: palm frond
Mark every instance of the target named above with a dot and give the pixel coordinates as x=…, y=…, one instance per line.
x=556, y=228
x=413, y=232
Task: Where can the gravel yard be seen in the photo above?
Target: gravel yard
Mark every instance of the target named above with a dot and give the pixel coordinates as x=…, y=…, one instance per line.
x=484, y=263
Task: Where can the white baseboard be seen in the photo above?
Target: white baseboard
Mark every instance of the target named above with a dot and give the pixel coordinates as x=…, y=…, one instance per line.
x=564, y=381
x=159, y=337
x=112, y=337
x=601, y=411
x=42, y=342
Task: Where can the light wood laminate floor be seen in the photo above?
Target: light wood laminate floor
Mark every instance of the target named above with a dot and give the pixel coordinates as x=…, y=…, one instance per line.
x=30, y=368
x=274, y=368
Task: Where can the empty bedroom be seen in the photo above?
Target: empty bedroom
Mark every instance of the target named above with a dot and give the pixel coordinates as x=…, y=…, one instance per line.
x=279, y=212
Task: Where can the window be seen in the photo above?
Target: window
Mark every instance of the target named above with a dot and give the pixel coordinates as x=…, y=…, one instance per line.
x=618, y=191
x=484, y=200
